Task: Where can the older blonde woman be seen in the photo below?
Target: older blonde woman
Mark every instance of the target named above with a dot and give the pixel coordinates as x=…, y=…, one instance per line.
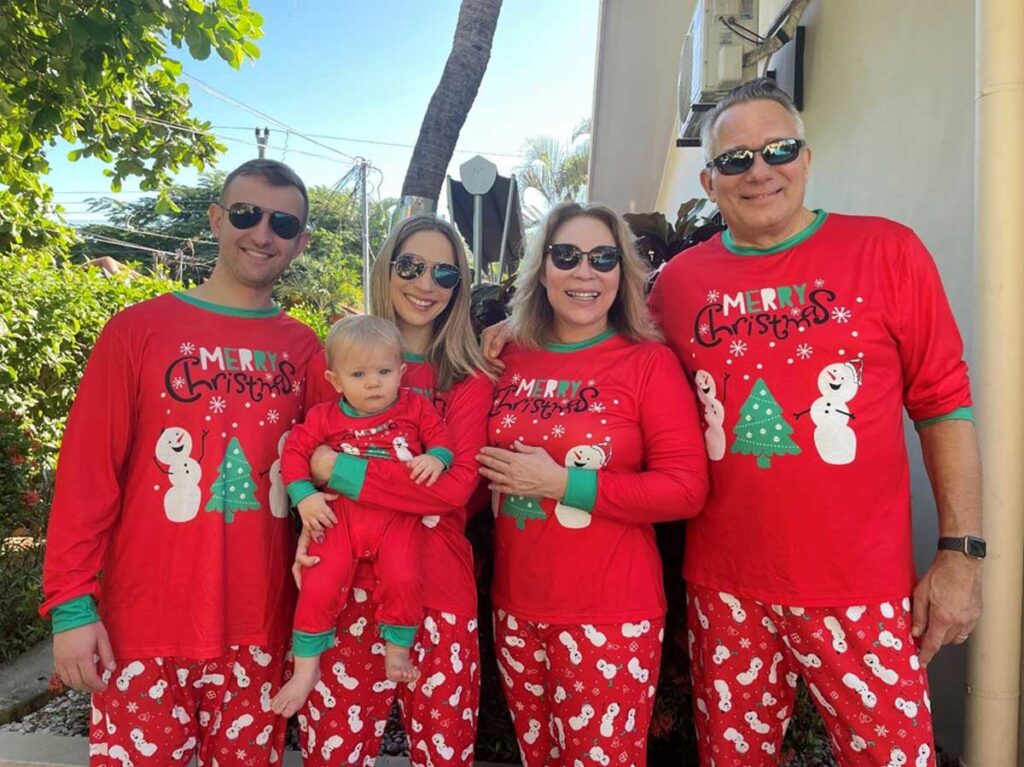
x=593, y=438
x=420, y=281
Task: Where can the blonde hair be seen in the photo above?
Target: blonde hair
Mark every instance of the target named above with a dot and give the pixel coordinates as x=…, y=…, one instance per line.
x=454, y=352
x=532, y=321
x=361, y=331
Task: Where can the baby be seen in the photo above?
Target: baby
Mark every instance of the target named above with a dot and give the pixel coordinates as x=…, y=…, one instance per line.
x=375, y=418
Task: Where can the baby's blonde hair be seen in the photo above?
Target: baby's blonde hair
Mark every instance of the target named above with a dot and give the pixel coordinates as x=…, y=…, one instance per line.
x=360, y=331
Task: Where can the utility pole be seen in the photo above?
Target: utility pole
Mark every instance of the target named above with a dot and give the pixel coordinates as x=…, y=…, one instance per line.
x=262, y=138
x=365, y=234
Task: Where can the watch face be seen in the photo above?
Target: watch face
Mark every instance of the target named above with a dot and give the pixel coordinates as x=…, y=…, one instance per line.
x=975, y=547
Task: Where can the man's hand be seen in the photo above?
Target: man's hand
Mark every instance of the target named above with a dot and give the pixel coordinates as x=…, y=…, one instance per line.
x=947, y=602
x=493, y=340
x=316, y=514
x=425, y=468
x=74, y=653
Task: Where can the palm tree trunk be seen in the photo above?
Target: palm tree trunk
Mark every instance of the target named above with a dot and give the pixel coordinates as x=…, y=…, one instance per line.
x=450, y=104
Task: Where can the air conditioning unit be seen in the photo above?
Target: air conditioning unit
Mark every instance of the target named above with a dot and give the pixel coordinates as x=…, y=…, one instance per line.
x=711, y=63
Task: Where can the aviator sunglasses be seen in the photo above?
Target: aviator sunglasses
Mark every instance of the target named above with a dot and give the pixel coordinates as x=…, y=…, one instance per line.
x=737, y=161
x=409, y=267
x=245, y=215
x=603, y=258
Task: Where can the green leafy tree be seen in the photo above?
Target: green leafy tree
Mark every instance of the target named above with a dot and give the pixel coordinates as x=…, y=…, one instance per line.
x=557, y=171
x=234, y=489
x=761, y=429
x=99, y=75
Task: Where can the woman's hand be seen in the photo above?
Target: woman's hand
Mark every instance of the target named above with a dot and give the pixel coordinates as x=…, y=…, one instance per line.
x=321, y=464
x=493, y=340
x=524, y=470
x=302, y=556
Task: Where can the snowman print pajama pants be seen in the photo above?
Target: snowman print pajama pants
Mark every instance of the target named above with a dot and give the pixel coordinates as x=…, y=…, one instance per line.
x=579, y=694
x=859, y=663
x=344, y=718
x=165, y=711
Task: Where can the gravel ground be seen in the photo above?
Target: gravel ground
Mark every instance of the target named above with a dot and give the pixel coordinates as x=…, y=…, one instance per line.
x=68, y=714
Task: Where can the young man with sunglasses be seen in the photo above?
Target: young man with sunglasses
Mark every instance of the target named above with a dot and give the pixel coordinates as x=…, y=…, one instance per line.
x=169, y=540
x=825, y=327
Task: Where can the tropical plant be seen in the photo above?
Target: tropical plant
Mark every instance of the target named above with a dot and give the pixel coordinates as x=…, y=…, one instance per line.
x=98, y=74
x=554, y=170
x=658, y=240
x=450, y=104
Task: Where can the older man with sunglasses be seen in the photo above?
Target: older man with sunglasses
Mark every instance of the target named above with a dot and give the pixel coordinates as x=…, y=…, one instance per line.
x=807, y=334
x=169, y=539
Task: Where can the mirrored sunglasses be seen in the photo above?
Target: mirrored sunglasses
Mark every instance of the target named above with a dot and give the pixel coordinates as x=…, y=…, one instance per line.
x=737, y=161
x=603, y=258
x=245, y=215
x=409, y=267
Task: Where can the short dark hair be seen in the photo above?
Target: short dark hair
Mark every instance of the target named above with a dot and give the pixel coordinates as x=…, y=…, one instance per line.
x=274, y=173
x=761, y=89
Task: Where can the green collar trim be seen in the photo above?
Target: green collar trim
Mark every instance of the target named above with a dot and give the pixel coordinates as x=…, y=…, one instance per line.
x=230, y=311
x=789, y=242
x=410, y=357
x=564, y=348
x=351, y=412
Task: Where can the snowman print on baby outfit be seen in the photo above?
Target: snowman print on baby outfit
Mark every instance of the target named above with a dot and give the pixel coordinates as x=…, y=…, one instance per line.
x=174, y=449
x=591, y=457
x=714, y=413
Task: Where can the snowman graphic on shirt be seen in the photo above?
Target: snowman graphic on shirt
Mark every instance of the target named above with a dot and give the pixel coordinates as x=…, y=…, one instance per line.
x=174, y=449
x=278, y=495
x=714, y=413
x=591, y=457
x=838, y=383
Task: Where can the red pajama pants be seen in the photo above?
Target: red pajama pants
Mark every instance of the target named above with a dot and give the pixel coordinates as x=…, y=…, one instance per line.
x=344, y=718
x=391, y=540
x=859, y=663
x=579, y=694
x=165, y=711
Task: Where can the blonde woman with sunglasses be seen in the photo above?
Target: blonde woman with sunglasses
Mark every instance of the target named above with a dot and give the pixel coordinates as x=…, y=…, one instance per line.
x=420, y=281
x=593, y=437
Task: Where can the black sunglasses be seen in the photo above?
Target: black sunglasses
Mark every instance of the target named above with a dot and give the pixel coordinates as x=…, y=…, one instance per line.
x=245, y=215
x=737, y=161
x=409, y=267
x=603, y=258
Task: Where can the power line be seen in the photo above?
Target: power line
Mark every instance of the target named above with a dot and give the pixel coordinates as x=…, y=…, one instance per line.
x=151, y=233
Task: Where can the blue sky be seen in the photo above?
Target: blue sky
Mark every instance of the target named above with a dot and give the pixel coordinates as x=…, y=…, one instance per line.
x=366, y=70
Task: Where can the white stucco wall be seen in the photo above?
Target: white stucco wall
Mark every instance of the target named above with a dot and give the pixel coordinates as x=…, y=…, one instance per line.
x=889, y=111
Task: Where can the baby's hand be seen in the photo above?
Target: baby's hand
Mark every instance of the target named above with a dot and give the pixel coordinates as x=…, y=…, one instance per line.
x=426, y=468
x=315, y=513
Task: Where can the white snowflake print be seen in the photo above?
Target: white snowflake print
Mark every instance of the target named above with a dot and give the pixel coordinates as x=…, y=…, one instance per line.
x=738, y=348
x=240, y=753
x=217, y=404
x=516, y=378
x=713, y=295
x=508, y=421
x=795, y=311
x=596, y=407
x=819, y=283
x=591, y=382
x=745, y=643
x=187, y=348
x=557, y=430
x=132, y=707
x=804, y=351
x=268, y=377
x=841, y=314
x=704, y=329
x=178, y=382
x=284, y=355
x=297, y=388
x=272, y=416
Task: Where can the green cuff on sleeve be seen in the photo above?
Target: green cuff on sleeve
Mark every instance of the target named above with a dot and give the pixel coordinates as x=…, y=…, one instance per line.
x=299, y=490
x=960, y=414
x=581, y=489
x=348, y=475
x=307, y=645
x=443, y=454
x=76, y=612
x=402, y=636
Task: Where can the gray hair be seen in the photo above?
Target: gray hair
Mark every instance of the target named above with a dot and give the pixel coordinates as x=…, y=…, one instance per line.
x=761, y=89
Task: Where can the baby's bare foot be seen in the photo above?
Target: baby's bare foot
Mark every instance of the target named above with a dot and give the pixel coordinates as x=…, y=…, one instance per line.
x=398, y=665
